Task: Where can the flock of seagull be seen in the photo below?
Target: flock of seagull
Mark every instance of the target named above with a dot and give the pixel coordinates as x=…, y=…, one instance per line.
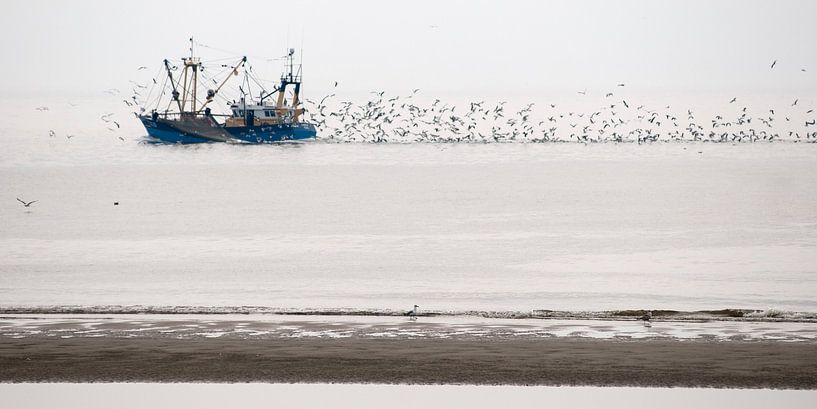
x=401, y=119
x=110, y=124
x=107, y=119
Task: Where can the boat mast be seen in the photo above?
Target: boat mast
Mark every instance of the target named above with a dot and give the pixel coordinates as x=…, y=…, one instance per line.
x=173, y=84
x=286, y=79
x=190, y=63
x=184, y=86
x=195, y=76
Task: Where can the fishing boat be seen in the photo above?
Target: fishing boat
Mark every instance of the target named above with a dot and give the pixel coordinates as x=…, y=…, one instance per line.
x=273, y=116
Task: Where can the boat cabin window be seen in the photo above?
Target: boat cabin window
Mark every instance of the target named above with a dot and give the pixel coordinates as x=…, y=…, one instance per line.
x=269, y=113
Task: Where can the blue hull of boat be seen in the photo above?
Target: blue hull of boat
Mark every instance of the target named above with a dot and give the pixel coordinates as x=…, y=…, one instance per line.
x=162, y=133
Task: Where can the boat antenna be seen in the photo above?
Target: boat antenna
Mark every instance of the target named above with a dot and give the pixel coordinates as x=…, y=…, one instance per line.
x=300, y=74
x=291, y=55
x=301, y=62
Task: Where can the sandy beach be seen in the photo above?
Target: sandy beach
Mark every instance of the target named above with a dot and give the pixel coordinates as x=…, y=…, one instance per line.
x=390, y=350
x=527, y=361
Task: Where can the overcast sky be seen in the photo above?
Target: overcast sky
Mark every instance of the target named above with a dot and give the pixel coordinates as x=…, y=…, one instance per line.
x=444, y=47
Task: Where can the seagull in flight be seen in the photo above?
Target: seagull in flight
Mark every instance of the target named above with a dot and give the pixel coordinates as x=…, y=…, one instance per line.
x=324, y=98
x=733, y=100
x=773, y=64
x=26, y=204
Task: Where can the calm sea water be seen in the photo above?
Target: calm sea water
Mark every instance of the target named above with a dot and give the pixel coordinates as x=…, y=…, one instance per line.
x=449, y=227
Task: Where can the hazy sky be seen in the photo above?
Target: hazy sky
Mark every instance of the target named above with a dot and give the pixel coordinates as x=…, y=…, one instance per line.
x=470, y=48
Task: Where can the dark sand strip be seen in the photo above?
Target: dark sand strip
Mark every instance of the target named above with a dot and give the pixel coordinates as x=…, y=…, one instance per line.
x=543, y=361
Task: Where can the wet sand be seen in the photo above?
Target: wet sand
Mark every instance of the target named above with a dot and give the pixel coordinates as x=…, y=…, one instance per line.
x=509, y=361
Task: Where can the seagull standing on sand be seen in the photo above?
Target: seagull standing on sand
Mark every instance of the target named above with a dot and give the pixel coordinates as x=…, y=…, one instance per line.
x=412, y=313
x=646, y=318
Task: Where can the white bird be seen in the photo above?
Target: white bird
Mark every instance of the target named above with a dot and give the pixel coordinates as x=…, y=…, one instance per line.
x=412, y=313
